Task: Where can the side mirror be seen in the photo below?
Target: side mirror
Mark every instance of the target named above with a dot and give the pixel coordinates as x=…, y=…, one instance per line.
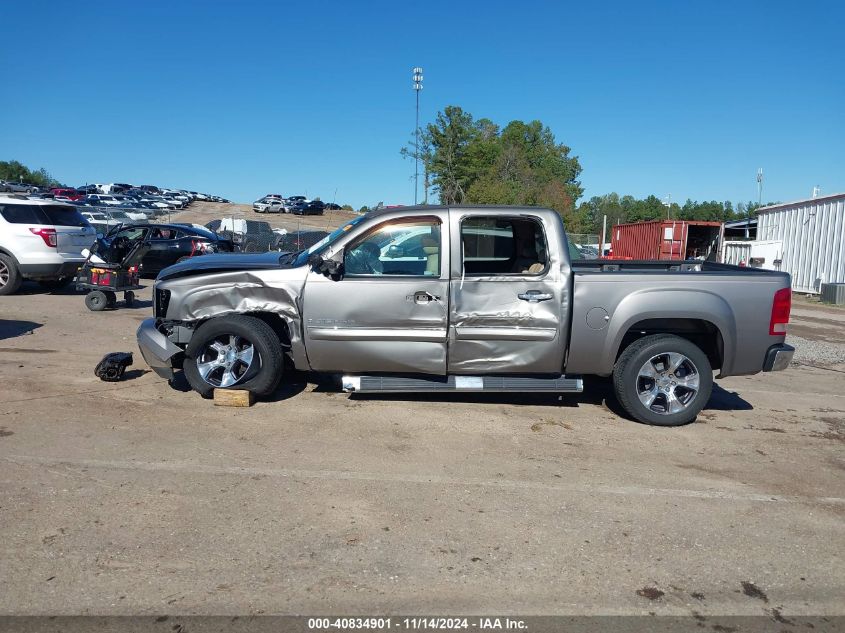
x=328, y=267
x=395, y=251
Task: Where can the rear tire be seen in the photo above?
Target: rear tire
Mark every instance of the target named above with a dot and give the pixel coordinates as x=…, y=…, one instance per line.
x=662, y=379
x=216, y=356
x=10, y=276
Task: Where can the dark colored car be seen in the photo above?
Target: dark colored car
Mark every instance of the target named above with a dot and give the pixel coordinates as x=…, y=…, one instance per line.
x=170, y=243
x=258, y=238
x=315, y=207
x=296, y=241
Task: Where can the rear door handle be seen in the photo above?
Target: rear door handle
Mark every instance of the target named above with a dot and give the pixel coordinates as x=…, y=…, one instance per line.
x=535, y=296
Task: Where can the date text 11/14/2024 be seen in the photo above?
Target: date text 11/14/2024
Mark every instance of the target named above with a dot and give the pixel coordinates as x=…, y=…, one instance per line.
x=419, y=623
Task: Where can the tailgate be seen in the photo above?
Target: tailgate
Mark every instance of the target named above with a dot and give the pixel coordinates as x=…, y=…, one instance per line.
x=71, y=240
x=73, y=233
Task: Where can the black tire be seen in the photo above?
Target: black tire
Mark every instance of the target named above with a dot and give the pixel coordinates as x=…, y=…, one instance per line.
x=52, y=285
x=129, y=298
x=10, y=276
x=111, y=297
x=261, y=378
x=630, y=384
x=250, y=247
x=96, y=301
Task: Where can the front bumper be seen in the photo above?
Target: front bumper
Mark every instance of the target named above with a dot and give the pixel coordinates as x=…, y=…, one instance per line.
x=778, y=357
x=156, y=349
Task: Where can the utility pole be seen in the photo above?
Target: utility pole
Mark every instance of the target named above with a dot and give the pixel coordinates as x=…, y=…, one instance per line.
x=418, y=79
x=759, y=203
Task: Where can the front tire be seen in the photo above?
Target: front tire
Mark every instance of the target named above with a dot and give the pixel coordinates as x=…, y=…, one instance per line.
x=662, y=379
x=234, y=352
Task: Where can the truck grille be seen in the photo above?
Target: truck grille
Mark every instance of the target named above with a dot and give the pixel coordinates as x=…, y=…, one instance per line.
x=161, y=301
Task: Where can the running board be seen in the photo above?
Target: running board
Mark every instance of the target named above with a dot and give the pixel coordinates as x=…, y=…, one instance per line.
x=522, y=384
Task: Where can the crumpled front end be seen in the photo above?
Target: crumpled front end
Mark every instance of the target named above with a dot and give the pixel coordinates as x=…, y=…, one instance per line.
x=156, y=349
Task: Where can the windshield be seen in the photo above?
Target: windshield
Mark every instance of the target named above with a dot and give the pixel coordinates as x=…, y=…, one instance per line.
x=327, y=241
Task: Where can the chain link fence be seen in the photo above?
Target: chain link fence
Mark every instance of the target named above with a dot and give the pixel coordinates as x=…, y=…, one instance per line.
x=587, y=243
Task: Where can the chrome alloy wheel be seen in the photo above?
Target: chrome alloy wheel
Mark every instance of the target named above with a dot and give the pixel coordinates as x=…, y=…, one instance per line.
x=227, y=360
x=667, y=383
x=5, y=274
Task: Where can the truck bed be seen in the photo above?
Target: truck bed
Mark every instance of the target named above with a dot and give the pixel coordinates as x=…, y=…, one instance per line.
x=718, y=305
x=663, y=266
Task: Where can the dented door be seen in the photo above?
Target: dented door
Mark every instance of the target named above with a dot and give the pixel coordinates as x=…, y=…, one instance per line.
x=504, y=319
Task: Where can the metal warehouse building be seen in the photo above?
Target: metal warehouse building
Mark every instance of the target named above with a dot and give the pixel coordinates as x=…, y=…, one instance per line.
x=812, y=233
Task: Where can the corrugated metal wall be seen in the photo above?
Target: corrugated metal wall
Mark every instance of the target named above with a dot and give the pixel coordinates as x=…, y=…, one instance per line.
x=813, y=235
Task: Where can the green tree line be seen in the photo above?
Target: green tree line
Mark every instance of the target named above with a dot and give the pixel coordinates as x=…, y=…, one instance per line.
x=474, y=161
x=13, y=170
x=589, y=214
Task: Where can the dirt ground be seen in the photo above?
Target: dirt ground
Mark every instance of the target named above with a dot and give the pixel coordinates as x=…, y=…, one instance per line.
x=139, y=498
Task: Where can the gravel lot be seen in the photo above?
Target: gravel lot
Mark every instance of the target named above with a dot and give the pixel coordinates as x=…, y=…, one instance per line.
x=137, y=497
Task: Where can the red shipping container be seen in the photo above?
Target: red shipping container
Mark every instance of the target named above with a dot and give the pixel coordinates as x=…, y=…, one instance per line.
x=667, y=239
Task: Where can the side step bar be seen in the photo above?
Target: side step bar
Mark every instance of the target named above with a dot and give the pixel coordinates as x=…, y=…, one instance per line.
x=521, y=384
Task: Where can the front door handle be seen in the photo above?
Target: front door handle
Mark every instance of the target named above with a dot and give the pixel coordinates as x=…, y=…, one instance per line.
x=535, y=296
x=424, y=297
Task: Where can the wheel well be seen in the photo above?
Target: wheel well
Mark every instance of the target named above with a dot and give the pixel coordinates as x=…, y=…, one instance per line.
x=279, y=325
x=698, y=331
x=5, y=252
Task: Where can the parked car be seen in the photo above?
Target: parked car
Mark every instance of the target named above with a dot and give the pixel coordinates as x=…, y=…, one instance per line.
x=268, y=205
x=502, y=288
x=20, y=187
x=315, y=207
x=248, y=236
x=295, y=241
x=100, y=221
x=40, y=240
x=170, y=243
x=99, y=199
x=65, y=193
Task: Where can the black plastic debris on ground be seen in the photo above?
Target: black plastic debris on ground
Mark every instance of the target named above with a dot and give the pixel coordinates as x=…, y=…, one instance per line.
x=113, y=365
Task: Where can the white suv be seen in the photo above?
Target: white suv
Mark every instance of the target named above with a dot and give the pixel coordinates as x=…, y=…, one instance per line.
x=40, y=240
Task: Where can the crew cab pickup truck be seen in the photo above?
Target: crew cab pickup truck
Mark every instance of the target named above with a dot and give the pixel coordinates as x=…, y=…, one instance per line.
x=439, y=299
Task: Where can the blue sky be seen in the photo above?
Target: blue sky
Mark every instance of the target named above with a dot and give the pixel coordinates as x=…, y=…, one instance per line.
x=246, y=98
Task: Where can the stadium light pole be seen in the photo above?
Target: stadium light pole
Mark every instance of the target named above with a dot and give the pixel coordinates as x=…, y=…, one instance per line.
x=418, y=79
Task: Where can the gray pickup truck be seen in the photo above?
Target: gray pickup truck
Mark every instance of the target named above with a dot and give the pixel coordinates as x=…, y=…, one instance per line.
x=440, y=299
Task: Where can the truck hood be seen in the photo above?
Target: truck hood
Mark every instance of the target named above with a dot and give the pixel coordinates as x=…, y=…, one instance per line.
x=206, y=264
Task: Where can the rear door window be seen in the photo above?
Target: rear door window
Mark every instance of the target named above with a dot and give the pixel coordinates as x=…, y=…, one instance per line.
x=22, y=214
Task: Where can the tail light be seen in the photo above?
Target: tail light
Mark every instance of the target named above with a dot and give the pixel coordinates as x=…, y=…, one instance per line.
x=781, y=306
x=48, y=235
